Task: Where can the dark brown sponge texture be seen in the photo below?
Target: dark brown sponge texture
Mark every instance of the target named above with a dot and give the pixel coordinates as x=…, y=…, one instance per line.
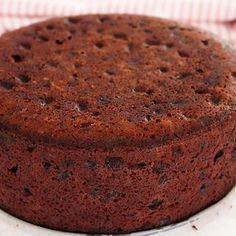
x=114, y=123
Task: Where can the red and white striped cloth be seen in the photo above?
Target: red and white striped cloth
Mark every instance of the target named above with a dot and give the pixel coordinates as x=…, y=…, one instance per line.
x=217, y=16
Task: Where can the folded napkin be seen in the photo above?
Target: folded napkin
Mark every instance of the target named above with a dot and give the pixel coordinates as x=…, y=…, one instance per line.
x=217, y=16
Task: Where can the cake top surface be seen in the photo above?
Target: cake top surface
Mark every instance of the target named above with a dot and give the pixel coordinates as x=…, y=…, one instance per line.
x=113, y=80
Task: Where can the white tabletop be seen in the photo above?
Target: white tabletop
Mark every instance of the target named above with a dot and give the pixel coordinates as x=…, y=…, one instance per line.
x=217, y=220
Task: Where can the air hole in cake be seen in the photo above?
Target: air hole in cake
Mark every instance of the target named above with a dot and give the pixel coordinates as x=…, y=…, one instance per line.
x=53, y=64
x=133, y=26
x=160, y=167
x=72, y=31
x=163, y=179
x=59, y=41
x=183, y=53
x=75, y=75
x=90, y=164
x=25, y=45
x=77, y=65
x=23, y=78
x=104, y=100
x=234, y=153
x=110, y=72
x=221, y=176
x=157, y=112
x=41, y=38
x=62, y=176
x=177, y=151
x=142, y=89
x=218, y=155
x=113, y=162
x=7, y=85
x=46, y=165
x=99, y=45
x=143, y=23
x=183, y=76
x=95, y=113
x=69, y=37
x=139, y=166
x=205, y=120
x=156, y=101
x=233, y=74
x=202, y=188
x=17, y=58
x=68, y=163
x=81, y=106
x=202, y=175
x=213, y=79
x=135, y=61
x=84, y=31
x=158, y=120
x=45, y=83
x=147, y=118
x=27, y=192
x=100, y=31
x=179, y=103
x=130, y=47
x=215, y=100
x=163, y=69
x=199, y=70
x=205, y=42
x=46, y=101
x=102, y=19
x=4, y=137
x=147, y=31
x=151, y=42
x=85, y=126
x=30, y=148
x=172, y=27
x=155, y=204
x=153, y=137
x=13, y=169
x=169, y=45
x=72, y=20
x=50, y=27
x=114, y=196
x=201, y=91
x=57, y=106
x=74, y=54
x=120, y=35
x=149, y=91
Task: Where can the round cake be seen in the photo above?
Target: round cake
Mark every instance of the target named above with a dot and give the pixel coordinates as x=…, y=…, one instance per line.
x=114, y=123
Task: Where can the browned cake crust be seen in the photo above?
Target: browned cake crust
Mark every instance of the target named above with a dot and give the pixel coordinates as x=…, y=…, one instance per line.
x=115, y=123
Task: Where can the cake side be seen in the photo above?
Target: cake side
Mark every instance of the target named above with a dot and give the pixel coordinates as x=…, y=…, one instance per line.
x=121, y=190
x=113, y=80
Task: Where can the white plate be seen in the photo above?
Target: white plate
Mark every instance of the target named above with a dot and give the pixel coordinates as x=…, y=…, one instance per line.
x=217, y=220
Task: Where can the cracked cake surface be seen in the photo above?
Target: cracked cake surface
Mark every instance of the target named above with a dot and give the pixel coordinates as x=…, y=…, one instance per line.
x=114, y=123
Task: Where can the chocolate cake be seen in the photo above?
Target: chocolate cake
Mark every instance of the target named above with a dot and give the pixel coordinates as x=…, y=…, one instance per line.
x=114, y=123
